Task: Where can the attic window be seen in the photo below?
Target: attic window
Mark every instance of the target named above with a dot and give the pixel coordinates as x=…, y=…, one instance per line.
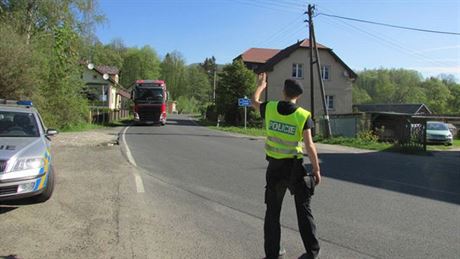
x=297, y=71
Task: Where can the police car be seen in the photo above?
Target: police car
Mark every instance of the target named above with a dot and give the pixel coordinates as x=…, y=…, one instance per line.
x=25, y=160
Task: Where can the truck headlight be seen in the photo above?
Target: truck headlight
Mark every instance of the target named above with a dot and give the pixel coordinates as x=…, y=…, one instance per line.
x=28, y=163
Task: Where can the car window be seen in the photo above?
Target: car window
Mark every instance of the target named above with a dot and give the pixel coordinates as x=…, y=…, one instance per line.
x=41, y=123
x=437, y=126
x=18, y=124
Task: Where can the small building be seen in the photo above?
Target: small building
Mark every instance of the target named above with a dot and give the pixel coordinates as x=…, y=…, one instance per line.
x=102, y=87
x=413, y=109
x=294, y=62
x=394, y=122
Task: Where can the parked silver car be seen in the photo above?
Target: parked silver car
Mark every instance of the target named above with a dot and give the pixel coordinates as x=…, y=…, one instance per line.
x=438, y=132
x=26, y=167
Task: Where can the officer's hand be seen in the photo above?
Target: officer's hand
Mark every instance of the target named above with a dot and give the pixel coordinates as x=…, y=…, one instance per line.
x=317, y=178
x=262, y=80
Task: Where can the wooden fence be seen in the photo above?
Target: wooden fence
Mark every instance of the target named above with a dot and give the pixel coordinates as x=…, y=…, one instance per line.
x=104, y=116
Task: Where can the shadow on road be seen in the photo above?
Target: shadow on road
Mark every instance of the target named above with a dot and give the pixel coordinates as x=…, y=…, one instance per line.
x=182, y=122
x=10, y=257
x=6, y=209
x=222, y=136
x=10, y=205
x=435, y=177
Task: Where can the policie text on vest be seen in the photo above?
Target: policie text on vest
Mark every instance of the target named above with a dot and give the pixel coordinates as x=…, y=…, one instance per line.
x=282, y=127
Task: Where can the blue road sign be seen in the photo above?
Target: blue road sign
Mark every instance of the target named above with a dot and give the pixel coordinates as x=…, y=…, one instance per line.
x=244, y=102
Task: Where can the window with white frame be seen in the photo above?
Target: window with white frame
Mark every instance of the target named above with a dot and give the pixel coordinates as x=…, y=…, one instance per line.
x=297, y=70
x=325, y=72
x=330, y=102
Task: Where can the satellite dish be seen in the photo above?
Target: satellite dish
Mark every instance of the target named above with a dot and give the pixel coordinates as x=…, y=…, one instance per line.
x=90, y=66
x=105, y=76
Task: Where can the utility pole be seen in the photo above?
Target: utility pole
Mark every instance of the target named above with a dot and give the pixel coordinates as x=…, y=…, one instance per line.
x=214, y=85
x=328, y=131
x=312, y=83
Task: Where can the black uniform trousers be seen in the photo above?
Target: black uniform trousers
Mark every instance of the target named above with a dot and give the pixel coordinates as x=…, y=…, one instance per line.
x=289, y=174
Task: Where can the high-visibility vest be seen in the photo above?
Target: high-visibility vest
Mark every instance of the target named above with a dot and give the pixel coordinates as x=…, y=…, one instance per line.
x=284, y=132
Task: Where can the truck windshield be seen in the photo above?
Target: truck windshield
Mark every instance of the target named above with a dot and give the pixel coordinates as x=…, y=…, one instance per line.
x=18, y=124
x=146, y=94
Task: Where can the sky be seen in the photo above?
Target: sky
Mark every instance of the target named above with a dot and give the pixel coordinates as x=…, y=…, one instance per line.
x=226, y=28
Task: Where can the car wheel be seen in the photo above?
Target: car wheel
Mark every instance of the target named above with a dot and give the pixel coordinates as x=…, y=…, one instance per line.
x=46, y=194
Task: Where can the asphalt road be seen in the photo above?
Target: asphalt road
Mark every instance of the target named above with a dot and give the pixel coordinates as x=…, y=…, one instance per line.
x=208, y=187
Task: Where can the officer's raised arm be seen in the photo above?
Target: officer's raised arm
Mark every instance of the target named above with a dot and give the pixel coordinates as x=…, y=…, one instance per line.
x=261, y=85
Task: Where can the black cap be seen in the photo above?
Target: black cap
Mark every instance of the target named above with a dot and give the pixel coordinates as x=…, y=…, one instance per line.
x=293, y=88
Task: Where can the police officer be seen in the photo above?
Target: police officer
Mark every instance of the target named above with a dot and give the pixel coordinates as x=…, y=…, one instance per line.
x=286, y=126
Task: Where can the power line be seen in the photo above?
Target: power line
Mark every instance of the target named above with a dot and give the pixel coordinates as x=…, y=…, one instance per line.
x=391, y=44
x=282, y=32
x=266, y=5
x=389, y=25
x=287, y=4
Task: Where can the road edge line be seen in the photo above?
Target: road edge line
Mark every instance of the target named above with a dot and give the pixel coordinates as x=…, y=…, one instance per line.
x=137, y=177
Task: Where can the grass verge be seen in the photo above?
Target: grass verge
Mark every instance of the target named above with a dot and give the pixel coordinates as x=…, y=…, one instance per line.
x=248, y=131
x=89, y=126
x=81, y=127
x=441, y=147
x=349, y=142
x=343, y=141
x=355, y=142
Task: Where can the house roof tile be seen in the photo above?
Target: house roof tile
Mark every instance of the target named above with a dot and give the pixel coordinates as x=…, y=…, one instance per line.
x=258, y=55
x=397, y=108
x=302, y=44
x=107, y=70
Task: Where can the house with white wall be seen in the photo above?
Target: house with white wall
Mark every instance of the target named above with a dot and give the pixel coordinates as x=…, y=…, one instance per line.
x=294, y=62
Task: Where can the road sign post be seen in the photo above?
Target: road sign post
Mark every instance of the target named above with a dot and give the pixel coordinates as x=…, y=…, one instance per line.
x=244, y=102
x=245, y=116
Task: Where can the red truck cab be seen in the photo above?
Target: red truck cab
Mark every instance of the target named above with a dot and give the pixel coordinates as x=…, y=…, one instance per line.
x=149, y=97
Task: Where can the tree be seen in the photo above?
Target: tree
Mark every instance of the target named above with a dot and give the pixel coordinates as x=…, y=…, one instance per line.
x=453, y=105
x=18, y=70
x=439, y=95
x=44, y=40
x=454, y=102
x=388, y=86
x=34, y=17
x=198, y=85
x=360, y=96
x=112, y=54
x=210, y=67
x=407, y=86
x=63, y=104
x=173, y=71
x=140, y=64
x=236, y=81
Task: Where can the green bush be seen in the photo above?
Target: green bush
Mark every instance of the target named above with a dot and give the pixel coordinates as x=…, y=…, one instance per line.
x=254, y=119
x=188, y=105
x=367, y=136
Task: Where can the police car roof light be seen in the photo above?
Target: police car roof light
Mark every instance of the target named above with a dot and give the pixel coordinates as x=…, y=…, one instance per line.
x=25, y=103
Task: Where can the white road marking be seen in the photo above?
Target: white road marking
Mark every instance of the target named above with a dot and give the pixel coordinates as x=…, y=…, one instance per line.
x=137, y=177
x=139, y=182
